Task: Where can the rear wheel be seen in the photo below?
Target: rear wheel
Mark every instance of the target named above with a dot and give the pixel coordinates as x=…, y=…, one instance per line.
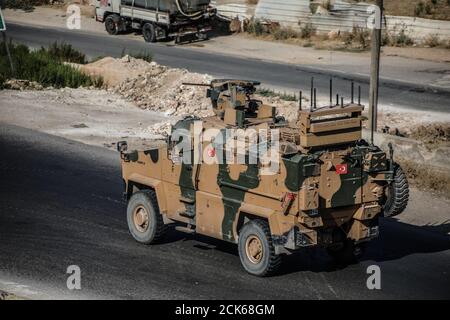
x=256, y=249
x=145, y=222
x=149, y=32
x=112, y=24
x=397, y=194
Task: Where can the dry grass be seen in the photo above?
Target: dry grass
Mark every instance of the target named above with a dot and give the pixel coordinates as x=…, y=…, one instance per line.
x=433, y=135
x=8, y=296
x=426, y=177
x=357, y=40
x=252, y=2
x=433, y=41
x=430, y=9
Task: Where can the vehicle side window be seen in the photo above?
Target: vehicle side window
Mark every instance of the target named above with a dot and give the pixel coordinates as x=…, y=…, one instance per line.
x=139, y=3
x=151, y=4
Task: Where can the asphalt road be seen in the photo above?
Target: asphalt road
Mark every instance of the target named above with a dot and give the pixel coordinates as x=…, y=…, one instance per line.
x=277, y=75
x=60, y=205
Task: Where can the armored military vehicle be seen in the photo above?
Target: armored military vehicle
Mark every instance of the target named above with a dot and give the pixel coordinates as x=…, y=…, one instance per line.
x=157, y=19
x=329, y=189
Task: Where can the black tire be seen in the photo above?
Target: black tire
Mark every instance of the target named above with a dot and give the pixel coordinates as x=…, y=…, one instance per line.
x=397, y=195
x=347, y=253
x=112, y=24
x=149, y=32
x=202, y=36
x=269, y=262
x=155, y=229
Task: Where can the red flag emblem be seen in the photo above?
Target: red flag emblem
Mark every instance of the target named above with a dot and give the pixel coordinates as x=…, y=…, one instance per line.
x=342, y=168
x=212, y=153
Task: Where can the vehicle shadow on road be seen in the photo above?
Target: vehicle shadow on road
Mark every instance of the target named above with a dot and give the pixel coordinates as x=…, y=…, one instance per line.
x=220, y=29
x=397, y=240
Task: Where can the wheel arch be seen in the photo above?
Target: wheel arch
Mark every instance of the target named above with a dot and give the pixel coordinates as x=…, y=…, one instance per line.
x=137, y=183
x=251, y=212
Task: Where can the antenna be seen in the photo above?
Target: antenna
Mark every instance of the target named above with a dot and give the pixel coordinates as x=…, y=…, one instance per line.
x=300, y=97
x=359, y=95
x=331, y=92
x=315, y=98
x=353, y=92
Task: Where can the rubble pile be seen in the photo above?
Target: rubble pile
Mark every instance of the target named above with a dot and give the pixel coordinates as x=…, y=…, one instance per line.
x=154, y=87
x=160, y=130
x=162, y=90
x=21, y=85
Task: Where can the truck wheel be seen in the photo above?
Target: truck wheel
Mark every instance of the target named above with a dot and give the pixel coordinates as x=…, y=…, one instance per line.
x=256, y=249
x=149, y=32
x=144, y=219
x=112, y=25
x=397, y=195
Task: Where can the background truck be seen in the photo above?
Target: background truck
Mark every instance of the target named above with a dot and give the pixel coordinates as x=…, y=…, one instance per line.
x=157, y=19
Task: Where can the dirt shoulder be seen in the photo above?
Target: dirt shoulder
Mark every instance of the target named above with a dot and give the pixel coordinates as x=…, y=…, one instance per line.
x=430, y=65
x=95, y=117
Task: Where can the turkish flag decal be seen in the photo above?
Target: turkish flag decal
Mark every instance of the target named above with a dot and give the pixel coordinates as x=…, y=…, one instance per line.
x=342, y=168
x=211, y=153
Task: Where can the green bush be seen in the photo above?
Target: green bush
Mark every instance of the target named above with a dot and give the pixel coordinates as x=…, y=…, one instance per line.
x=24, y=4
x=432, y=40
x=357, y=35
x=143, y=55
x=269, y=93
x=65, y=52
x=43, y=66
x=282, y=33
x=401, y=39
x=2, y=81
x=419, y=9
x=255, y=27
x=307, y=31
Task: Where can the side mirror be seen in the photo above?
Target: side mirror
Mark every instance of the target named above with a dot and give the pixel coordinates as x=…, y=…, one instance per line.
x=122, y=146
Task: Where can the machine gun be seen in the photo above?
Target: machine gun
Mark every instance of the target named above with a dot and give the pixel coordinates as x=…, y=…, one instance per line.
x=233, y=103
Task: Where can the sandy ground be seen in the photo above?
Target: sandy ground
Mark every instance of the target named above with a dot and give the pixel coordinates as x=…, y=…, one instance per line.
x=430, y=65
x=94, y=117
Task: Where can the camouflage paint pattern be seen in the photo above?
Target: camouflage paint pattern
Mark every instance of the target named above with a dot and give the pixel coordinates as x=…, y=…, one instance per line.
x=307, y=196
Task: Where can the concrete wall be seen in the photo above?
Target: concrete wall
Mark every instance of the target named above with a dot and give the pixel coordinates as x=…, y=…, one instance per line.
x=343, y=16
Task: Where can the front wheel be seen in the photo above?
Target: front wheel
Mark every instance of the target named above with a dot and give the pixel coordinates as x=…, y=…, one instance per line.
x=256, y=249
x=145, y=222
x=149, y=32
x=112, y=25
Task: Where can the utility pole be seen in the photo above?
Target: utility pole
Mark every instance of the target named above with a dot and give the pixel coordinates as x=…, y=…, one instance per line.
x=375, y=68
x=5, y=39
